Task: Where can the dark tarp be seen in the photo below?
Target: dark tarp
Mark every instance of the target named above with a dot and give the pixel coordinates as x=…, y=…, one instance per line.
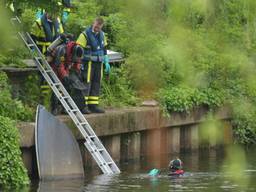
x=58, y=154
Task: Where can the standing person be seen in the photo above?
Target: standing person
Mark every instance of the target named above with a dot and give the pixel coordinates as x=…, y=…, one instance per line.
x=94, y=42
x=66, y=10
x=44, y=31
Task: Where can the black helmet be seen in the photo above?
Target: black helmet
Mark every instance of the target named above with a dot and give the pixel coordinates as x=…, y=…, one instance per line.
x=78, y=53
x=176, y=164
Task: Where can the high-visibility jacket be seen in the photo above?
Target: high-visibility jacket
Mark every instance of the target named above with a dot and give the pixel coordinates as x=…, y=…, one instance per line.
x=45, y=33
x=94, y=45
x=65, y=12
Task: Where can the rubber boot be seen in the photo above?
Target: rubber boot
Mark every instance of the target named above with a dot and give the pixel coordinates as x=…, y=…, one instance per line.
x=85, y=110
x=96, y=109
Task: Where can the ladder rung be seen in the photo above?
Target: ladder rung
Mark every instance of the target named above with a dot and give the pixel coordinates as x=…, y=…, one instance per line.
x=108, y=163
x=75, y=110
x=95, y=150
x=92, y=137
x=15, y=19
x=56, y=84
x=38, y=58
x=48, y=71
x=30, y=45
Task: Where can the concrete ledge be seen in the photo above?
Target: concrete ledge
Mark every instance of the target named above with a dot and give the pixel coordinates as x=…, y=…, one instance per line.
x=119, y=121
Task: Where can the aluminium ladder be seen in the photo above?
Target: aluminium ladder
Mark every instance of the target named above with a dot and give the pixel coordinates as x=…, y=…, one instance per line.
x=92, y=142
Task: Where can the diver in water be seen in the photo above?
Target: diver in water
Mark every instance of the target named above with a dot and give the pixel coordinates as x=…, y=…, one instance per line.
x=175, y=167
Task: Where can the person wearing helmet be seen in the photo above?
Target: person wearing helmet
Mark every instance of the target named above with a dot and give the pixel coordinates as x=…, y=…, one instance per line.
x=65, y=59
x=175, y=167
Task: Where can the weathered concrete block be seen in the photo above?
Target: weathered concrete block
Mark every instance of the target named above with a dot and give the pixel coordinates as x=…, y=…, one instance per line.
x=173, y=140
x=194, y=137
x=113, y=146
x=27, y=134
x=156, y=142
x=134, y=146
x=198, y=115
x=130, y=146
x=185, y=138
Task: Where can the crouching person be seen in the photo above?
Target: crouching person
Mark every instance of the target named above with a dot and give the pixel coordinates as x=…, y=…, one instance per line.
x=65, y=59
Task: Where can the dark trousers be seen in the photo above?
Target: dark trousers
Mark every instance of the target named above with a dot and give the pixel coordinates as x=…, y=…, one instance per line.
x=92, y=74
x=74, y=89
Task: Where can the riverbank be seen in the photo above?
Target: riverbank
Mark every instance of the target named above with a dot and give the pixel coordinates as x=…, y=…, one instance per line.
x=136, y=132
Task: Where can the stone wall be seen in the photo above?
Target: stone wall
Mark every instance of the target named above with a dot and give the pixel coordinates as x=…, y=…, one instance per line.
x=129, y=134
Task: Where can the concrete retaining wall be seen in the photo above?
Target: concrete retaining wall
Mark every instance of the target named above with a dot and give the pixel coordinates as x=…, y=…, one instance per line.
x=129, y=134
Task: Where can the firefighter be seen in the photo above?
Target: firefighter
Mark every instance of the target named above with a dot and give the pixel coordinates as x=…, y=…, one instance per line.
x=66, y=10
x=94, y=42
x=65, y=59
x=44, y=31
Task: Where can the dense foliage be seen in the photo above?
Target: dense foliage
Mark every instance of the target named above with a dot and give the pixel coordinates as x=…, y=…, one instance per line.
x=12, y=171
x=185, y=54
x=10, y=107
x=193, y=54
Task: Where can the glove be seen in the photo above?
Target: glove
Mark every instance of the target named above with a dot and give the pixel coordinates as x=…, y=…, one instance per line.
x=66, y=82
x=107, y=65
x=65, y=16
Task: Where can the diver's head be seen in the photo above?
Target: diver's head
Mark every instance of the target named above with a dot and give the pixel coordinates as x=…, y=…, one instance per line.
x=176, y=164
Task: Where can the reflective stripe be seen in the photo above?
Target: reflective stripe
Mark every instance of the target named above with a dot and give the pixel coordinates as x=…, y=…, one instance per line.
x=101, y=71
x=93, y=102
x=46, y=92
x=44, y=45
x=67, y=10
x=12, y=7
x=89, y=71
x=93, y=98
x=82, y=40
x=45, y=87
x=86, y=100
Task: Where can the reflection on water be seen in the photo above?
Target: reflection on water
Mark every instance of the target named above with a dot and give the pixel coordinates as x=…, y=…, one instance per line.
x=204, y=171
x=61, y=186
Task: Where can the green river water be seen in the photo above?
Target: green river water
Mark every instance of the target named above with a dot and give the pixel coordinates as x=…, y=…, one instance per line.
x=204, y=172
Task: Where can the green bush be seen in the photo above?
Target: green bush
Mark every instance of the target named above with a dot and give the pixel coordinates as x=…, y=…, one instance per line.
x=85, y=13
x=117, y=91
x=9, y=107
x=185, y=99
x=244, y=123
x=12, y=171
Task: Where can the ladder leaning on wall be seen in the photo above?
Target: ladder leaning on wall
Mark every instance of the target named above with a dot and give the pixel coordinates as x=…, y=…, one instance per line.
x=92, y=142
